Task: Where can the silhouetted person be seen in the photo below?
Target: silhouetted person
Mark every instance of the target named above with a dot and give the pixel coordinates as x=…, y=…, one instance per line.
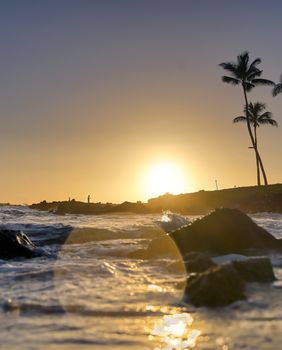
x=88, y=199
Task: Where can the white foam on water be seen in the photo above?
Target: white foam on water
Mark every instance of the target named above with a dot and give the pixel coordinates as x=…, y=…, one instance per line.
x=90, y=295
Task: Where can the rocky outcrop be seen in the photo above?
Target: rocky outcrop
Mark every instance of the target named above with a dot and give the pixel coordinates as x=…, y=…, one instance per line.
x=192, y=262
x=16, y=244
x=77, y=207
x=224, y=231
x=258, y=269
x=224, y=284
x=217, y=286
x=198, y=262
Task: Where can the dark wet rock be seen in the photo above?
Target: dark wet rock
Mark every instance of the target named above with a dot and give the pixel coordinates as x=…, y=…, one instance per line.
x=16, y=244
x=257, y=269
x=46, y=235
x=192, y=262
x=224, y=284
x=198, y=262
x=224, y=231
x=163, y=246
x=217, y=286
x=9, y=305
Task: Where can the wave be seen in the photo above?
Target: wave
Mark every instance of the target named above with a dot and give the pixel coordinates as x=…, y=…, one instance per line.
x=89, y=234
x=10, y=305
x=43, y=235
x=271, y=222
x=171, y=221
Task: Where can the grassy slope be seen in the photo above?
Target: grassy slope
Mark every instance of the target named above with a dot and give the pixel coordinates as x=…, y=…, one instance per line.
x=248, y=199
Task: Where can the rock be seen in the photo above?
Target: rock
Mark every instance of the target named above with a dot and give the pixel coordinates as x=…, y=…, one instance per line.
x=221, y=259
x=129, y=207
x=198, y=262
x=224, y=284
x=192, y=262
x=217, y=286
x=163, y=246
x=16, y=244
x=258, y=269
x=224, y=231
x=9, y=305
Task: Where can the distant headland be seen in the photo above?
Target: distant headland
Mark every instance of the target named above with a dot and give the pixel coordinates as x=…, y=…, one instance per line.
x=250, y=199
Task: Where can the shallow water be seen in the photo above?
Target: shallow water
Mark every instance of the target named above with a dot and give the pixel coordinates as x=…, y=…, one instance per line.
x=87, y=294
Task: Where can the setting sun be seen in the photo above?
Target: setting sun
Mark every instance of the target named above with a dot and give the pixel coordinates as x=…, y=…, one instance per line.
x=164, y=177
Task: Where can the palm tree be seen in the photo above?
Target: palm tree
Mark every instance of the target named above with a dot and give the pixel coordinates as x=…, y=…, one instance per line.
x=277, y=88
x=257, y=118
x=248, y=76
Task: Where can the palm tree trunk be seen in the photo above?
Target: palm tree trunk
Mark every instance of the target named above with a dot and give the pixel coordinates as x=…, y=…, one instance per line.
x=257, y=161
x=252, y=136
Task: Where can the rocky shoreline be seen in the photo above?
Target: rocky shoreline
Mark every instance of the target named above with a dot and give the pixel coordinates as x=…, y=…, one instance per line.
x=248, y=199
x=224, y=231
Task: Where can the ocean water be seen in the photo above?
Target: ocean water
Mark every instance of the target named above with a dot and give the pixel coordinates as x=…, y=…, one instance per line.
x=88, y=294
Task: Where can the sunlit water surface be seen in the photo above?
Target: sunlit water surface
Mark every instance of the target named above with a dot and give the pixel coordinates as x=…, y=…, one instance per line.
x=89, y=295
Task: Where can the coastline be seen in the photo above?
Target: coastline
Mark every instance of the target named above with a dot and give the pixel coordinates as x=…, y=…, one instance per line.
x=251, y=199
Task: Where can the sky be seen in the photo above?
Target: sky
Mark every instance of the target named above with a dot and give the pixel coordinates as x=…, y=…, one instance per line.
x=94, y=95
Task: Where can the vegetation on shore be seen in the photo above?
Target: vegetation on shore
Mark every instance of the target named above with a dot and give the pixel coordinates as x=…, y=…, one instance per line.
x=257, y=117
x=247, y=75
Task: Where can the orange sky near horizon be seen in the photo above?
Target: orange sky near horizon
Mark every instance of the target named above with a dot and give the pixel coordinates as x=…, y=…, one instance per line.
x=93, y=96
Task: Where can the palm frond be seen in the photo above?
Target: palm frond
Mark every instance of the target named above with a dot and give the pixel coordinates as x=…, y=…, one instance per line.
x=240, y=119
x=277, y=89
x=229, y=66
x=248, y=86
x=257, y=107
x=273, y=122
x=267, y=115
x=242, y=64
x=253, y=74
x=268, y=121
x=254, y=64
x=263, y=82
x=230, y=80
x=243, y=58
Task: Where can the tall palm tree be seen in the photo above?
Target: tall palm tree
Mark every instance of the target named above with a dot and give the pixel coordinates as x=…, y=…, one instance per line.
x=257, y=118
x=248, y=76
x=277, y=88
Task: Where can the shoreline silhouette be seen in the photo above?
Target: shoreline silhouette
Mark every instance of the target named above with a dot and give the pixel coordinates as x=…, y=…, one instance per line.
x=250, y=199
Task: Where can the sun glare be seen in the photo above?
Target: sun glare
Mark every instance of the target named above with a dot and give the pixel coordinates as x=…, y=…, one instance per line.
x=164, y=177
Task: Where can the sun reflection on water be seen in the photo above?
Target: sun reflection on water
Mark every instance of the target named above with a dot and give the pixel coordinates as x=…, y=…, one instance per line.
x=175, y=332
